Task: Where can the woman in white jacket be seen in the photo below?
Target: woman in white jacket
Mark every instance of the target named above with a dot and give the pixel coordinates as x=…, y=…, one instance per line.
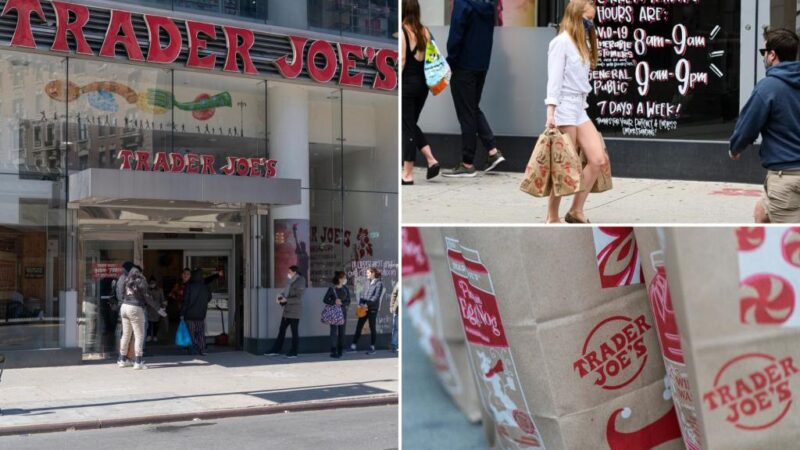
x=570, y=57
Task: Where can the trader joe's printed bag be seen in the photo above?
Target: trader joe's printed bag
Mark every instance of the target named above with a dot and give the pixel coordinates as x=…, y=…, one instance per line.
x=437, y=71
x=431, y=306
x=734, y=292
x=565, y=165
x=650, y=243
x=537, y=180
x=577, y=365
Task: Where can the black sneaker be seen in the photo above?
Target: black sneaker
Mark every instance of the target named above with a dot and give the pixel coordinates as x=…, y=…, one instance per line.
x=291, y=356
x=371, y=351
x=461, y=171
x=493, y=161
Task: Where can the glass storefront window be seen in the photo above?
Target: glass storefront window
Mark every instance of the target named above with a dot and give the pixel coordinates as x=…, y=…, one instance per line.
x=375, y=18
x=115, y=106
x=370, y=142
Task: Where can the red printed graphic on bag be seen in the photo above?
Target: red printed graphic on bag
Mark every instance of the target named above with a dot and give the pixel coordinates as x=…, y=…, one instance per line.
x=617, y=256
x=769, y=259
x=614, y=352
x=664, y=315
x=488, y=351
x=752, y=390
x=419, y=295
x=651, y=436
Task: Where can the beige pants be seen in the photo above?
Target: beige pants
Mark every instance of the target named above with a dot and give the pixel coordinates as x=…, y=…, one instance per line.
x=782, y=199
x=133, y=320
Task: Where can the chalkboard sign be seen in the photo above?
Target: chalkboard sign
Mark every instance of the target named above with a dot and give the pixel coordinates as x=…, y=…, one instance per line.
x=667, y=69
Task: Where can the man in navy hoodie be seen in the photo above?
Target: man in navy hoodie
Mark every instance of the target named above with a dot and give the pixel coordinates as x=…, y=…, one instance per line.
x=774, y=111
x=469, y=49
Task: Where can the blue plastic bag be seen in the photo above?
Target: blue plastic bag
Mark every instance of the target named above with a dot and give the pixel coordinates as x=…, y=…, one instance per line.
x=182, y=337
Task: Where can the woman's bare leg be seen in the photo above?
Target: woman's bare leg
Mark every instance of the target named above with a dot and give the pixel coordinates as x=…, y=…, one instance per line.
x=553, y=202
x=589, y=140
x=428, y=154
x=408, y=170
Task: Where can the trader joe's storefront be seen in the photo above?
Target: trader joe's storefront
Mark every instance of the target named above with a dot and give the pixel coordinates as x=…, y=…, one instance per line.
x=110, y=158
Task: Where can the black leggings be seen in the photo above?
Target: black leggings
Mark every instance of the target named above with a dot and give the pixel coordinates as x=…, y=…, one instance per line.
x=373, y=333
x=337, y=338
x=277, y=346
x=414, y=95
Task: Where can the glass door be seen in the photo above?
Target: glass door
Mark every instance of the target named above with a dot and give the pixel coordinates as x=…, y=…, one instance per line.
x=102, y=256
x=214, y=265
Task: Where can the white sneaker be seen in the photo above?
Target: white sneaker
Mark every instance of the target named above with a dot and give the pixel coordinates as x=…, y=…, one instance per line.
x=139, y=366
x=125, y=363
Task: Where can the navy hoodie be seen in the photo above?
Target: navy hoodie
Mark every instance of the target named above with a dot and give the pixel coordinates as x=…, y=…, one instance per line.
x=774, y=111
x=469, y=45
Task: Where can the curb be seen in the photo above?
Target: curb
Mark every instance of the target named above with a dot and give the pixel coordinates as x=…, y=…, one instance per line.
x=96, y=424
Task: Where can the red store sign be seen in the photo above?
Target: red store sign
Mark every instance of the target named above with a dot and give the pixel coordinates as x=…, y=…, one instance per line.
x=194, y=163
x=165, y=39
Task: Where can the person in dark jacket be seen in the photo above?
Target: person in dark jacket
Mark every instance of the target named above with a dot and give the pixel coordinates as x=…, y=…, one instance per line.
x=291, y=299
x=338, y=295
x=195, y=305
x=136, y=296
x=371, y=298
x=469, y=51
x=773, y=110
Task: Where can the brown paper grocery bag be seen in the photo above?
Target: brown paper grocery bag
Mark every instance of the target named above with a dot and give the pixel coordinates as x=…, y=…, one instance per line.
x=537, y=180
x=604, y=181
x=560, y=362
x=429, y=302
x=739, y=331
x=650, y=241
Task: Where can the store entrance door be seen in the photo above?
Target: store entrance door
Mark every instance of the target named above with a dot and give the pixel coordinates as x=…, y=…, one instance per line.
x=214, y=264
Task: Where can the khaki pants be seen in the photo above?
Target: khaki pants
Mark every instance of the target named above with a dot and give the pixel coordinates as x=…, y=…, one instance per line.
x=782, y=199
x=133, y=320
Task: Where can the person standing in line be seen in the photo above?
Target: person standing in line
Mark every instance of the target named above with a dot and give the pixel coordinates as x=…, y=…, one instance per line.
x=338, y=295
x=469, y=51
x=136, y=297
x=394, y=308
x=570, y=57
x=413, y=43
x=372, y=299
x=195, y=307
x=291, y=299
x=773, y=111
x=153, y=318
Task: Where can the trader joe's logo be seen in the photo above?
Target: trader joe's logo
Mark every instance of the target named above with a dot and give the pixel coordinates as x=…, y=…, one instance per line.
x=614, y=353
x=752, y=390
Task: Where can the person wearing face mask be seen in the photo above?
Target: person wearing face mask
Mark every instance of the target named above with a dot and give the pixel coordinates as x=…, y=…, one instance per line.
x=153, y=318
x=338, y=295
x=291, y=299
x=371, y=298
x=773, y=110
x=570, y=57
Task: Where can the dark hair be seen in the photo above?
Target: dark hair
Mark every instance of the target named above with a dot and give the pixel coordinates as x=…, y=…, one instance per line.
x=411, y=18
x=294, y=269
x=138, y=267
x=336, y=275
x=375, y=271
x=151, y=279
x=127, y=266
x=186, y=269
x=783, y=41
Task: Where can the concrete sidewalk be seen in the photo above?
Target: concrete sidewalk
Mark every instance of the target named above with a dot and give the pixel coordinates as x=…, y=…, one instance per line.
x=181, y=388
x=496, y=198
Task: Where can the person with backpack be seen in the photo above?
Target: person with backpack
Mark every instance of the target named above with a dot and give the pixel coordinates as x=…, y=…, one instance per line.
x=196, y=297
x=136, y=297
x=338, y=295
x=371, y=299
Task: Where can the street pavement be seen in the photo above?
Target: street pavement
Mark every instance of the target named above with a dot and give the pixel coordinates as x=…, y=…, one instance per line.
x=97, y=395
x=495, y=198
x=351, y=428
x=431, y=421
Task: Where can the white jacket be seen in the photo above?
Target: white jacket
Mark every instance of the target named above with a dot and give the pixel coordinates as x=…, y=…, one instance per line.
x=567, y=73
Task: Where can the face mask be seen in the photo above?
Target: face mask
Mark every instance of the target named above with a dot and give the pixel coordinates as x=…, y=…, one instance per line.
x=343, y=281
x=289, y=276
x=587, y=24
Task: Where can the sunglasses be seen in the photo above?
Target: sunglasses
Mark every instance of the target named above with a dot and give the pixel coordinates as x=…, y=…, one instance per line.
x=764, y=51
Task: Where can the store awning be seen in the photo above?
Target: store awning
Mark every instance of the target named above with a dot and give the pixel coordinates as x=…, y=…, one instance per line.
x=109, y=186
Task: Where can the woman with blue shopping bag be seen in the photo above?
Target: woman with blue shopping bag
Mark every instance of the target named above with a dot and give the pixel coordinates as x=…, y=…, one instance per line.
x=423, y=66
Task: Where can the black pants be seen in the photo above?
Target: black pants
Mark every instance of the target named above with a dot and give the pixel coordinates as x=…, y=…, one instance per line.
x=373, y=333
x=414, y=95
x=152, y=329
x=278, y=345
x=466, y=86
x=337, y=338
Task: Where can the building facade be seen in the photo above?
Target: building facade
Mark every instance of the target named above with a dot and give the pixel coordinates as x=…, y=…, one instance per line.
x=235, y=137
x=667, y=92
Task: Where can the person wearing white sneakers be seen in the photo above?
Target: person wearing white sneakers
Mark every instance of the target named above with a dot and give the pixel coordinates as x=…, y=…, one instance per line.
x=372, y=299
x=136, y=295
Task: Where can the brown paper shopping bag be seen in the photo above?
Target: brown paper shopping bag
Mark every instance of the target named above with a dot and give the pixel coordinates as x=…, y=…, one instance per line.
x=429, y=302
x=735, y=293
x=604, y=181
x=565, y=165
x=537, y=180
x=560, y=361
